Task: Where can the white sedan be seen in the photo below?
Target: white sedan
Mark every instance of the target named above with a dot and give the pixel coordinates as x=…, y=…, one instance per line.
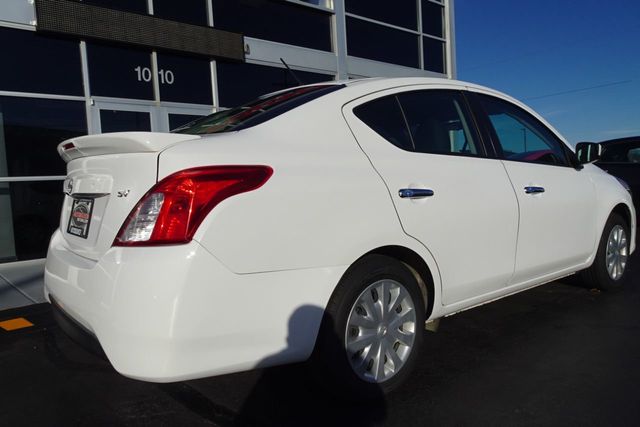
x=327, y=222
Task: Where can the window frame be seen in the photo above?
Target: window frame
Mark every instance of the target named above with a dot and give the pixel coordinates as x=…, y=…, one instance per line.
x=491, y=136
x=445, y=38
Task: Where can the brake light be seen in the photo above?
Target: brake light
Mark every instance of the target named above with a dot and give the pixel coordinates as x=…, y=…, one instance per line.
x=172, y=211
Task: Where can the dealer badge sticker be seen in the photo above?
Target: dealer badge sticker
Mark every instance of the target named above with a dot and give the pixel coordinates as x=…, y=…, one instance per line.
x=80, y=217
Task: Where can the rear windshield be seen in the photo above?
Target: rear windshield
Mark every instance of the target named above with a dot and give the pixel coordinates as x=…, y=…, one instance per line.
x=255, y=112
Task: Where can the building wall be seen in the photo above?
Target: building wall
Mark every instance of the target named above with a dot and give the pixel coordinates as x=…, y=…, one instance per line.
x=53, y=88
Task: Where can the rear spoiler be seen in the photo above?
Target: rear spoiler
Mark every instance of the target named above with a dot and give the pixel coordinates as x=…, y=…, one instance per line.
x=120, y=142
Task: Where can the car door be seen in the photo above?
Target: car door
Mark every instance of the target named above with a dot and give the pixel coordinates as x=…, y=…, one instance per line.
x=447, y=193
x=557, y=201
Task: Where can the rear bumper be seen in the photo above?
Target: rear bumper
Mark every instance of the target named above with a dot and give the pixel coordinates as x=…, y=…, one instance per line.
x=175, y=312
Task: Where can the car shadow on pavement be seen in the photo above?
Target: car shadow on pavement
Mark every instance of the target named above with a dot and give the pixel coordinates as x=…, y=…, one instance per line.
x=284, y=395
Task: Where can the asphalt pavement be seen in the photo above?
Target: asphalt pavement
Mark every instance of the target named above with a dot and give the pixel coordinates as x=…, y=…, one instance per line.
x=559, y=354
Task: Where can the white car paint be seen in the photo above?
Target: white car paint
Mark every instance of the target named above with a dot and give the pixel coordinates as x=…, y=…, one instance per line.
x=468, y=192
x=250, y=288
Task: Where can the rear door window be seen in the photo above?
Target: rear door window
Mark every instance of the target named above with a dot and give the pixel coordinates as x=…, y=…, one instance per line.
x=385, y=117
x=439, y=122
x=424, y=121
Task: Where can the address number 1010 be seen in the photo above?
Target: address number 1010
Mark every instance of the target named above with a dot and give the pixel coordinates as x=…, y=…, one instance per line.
x=144, y=75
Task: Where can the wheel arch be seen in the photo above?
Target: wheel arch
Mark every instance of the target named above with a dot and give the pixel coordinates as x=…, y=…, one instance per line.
x=598, y=274
x=418, y=268
x=624, y=211
x=619, y=207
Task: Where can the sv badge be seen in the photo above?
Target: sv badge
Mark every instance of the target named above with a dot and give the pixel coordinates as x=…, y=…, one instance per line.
x=124, y=193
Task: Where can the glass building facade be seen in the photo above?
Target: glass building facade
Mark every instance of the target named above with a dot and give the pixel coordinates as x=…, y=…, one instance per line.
x=57, y=86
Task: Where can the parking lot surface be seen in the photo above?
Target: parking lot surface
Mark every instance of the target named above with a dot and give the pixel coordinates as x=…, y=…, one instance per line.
x=559, y=354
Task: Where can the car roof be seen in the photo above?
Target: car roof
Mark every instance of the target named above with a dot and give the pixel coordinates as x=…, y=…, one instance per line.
x=357, y=88
x=375, y=84
x=407, y=81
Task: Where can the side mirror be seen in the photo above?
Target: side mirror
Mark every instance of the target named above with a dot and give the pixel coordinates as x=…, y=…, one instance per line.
x=588, y=152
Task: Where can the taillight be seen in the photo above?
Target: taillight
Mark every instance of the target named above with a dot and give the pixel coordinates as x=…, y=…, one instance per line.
x=172, y=210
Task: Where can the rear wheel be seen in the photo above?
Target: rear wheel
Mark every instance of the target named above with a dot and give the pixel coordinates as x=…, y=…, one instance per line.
x=372, y=331
x=610, y=265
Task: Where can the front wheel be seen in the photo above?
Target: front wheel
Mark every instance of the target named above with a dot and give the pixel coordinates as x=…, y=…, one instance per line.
x=372, y=330
x=610, y=265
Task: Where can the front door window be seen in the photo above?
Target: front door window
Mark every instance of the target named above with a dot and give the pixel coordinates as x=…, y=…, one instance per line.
x=520, y=136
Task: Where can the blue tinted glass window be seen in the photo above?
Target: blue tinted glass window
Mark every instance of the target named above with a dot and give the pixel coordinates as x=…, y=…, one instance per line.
x=35, y=63
x=433, y=51
x=432, y=19
x=372, y=41
x=30, y=131
x=402, y=13
x=123, y=121
x=282, y=21
x=184, y=79
x=119, y=72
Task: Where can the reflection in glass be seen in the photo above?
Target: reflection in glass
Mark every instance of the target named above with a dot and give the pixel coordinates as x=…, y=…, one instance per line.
x=521, y=136
x=178, y=120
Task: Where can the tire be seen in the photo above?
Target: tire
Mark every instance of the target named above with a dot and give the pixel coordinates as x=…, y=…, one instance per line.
x=614, y=244
x=346, y=359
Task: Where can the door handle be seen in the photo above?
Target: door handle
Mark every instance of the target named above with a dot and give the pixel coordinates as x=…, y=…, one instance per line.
x=533, y=190
x=415, y=193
